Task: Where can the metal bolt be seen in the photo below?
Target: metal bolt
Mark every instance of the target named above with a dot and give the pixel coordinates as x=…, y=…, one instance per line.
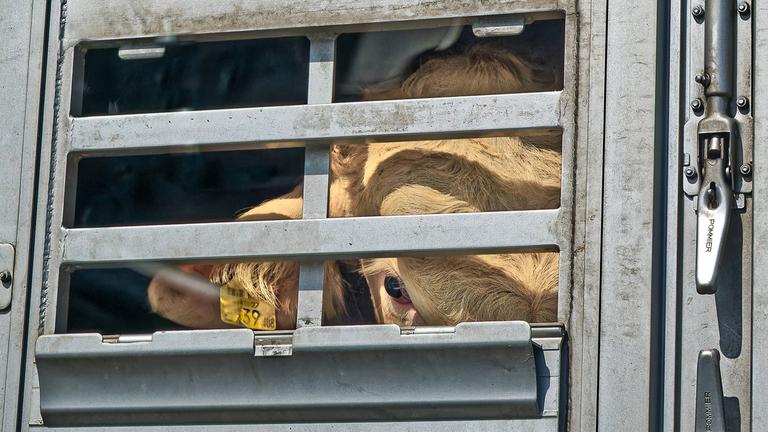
x=696, y=104
x=690, y=172
x=702, y=79
x=5, y=277
x=746, y=169
x=743, y=8
x=698, y=11
x=742, y=102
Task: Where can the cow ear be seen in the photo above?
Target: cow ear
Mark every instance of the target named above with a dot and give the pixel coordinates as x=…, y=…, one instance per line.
x=288, y=206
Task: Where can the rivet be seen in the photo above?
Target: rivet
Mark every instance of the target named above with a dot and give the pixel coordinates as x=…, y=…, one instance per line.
x=746, y=169
x=702, y=79
x=742, y=102
x=696, y=105
x=690, y=172
x=743, y=8
x=697, y=11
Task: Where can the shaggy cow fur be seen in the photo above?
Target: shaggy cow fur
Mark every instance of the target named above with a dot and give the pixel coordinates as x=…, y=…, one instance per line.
x=419, y=177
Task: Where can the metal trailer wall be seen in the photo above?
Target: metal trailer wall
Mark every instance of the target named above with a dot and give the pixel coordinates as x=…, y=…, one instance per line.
x=621, y=353
x=82, y=22
x=22, y=25
x=633, y=225
x=759, y=403
x=723, y=321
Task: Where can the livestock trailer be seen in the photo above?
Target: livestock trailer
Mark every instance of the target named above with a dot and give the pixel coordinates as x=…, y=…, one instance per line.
x=132, y=129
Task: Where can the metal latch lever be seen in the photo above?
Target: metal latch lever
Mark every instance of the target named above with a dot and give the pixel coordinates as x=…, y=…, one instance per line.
x=717, y=132
x=714, y=214
x=710, y=405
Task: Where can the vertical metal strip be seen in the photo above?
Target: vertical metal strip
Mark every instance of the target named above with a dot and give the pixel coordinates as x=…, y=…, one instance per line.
x=678, y=109
x=760, y=241
x=627, y=364
x=585, y=314
x=54, y=281
x=34, y=326
x=24, y=43
x=322, y=53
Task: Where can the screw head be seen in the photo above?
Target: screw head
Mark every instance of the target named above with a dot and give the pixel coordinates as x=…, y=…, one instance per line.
x=690, y=172
x=742, y=102
x=743, y=8
x=696, y=104
x=746, y=169
x=702, y=79
x=697, y=11
x=5, y=277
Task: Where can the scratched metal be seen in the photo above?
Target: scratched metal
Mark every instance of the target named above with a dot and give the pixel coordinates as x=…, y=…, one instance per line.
x=722, y=320
x=21, y=57
x=116, y=19
x=209, y=130
x=467, y=233
x=759, y=365
x=588, y=204
x=81, y=376
x=677, y=106
x=627, y=316
x=301, y=239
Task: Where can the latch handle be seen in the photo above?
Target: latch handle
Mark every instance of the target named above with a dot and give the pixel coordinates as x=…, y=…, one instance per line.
x=714, y=208
x=716, y=135
x=710, y=406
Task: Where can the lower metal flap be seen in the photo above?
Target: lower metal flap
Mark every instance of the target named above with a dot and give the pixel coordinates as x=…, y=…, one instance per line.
x=321, y=374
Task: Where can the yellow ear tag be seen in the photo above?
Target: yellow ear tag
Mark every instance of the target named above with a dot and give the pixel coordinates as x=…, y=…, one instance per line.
x=237, y=308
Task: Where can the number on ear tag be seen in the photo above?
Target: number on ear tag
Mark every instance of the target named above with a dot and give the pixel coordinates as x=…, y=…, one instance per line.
x=237, y=308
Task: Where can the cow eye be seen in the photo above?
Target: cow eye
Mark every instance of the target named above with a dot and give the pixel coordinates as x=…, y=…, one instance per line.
x=394, y=286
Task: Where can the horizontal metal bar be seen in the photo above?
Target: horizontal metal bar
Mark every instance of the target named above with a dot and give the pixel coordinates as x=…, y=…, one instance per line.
x=198, y=377
x=467, y=233
x=546, y=424
x=224, y=128
x=120, y=19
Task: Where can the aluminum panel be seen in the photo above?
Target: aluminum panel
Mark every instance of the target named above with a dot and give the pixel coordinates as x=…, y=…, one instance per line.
x=316, y=179
x=116, y=19
x=224, y=128
x=21, y=63
x=678, y=105
x=548, y=424
x=294, y=239
x=628, y=320
x=433, y=234
x=348, y=373
x=759, y=367
x=720, y=321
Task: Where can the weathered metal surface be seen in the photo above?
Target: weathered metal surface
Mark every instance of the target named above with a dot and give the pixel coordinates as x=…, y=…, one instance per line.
x=548, y=424
x=723, y=320
x=759, y=402
x=678, y=106
x=628, y=320
x=115, y=19
x=316, y=179
x=202, y=377
x=21, y=59
x=468, y=233
x=14, y=57
x=588, y=205
x=292, y=239
x=224, y=128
